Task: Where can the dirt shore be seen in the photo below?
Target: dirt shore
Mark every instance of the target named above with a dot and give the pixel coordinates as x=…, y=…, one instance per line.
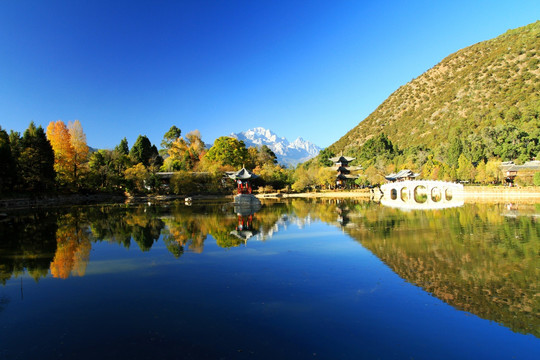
x=472, y=194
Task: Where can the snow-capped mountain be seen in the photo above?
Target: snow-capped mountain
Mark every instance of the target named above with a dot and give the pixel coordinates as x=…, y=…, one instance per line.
x=288, y=153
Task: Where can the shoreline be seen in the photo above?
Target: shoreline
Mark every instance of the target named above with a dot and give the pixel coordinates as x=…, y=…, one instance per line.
x=471, y=194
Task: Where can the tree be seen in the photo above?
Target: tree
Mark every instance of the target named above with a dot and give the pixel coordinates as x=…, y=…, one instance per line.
x=324, y=156
x=454, y=152
x=326, y=177
x=64, y=154
x=379, y=147
x=169, y=138
x=228, y=151
x=465, y=170
x=7, y=163
x=304, y=178
x=267, y=156
x=80, y=149
x=36, y=160
x=493, y=171
x=136, y=177
x=536, y=179
x=481, y=174
x=141, y=152
x=123, y=147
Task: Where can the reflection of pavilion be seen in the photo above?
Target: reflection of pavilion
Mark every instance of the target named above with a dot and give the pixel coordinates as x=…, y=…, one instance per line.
x=244, y=229
x=343, y=211
x=422, y=194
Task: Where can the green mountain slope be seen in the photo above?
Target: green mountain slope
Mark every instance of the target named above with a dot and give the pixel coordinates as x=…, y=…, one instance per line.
x=474, y=92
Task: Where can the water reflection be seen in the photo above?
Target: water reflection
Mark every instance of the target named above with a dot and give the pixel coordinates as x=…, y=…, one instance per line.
x=478, y=258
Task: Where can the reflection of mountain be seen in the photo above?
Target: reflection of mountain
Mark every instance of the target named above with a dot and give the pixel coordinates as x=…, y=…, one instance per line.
x=473, y=258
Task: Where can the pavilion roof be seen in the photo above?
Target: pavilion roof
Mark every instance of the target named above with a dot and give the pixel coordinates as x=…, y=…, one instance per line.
x=528, y=166
x=346, y=177
x=401, y=175
x=242, y=174
x=341, y=159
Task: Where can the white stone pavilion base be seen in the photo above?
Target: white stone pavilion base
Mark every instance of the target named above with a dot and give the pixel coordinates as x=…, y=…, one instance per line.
x=246, y=200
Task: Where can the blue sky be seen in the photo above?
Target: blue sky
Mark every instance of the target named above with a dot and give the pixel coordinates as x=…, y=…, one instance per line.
x=313, y=69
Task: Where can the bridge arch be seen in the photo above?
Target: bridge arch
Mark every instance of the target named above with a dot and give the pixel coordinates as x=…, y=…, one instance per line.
x=422, y=194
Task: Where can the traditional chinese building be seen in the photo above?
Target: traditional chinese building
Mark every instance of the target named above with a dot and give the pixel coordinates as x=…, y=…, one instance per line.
x=344, y=175
x=243, y=179
x=403, y=175
x=526, y=171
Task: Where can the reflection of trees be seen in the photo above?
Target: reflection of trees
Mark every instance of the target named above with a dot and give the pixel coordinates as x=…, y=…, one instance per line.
x=120, y=224
x=470, y=257
x=188, y=227
x=28, y=242
x=73, y=246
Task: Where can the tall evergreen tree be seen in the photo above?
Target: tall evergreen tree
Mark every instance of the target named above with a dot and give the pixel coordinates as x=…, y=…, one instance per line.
x=36, y=160
x=141, y=152
x=7, y=163
x=123, y=147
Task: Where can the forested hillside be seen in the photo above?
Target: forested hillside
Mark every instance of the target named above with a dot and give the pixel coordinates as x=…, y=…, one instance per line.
x=482, y=101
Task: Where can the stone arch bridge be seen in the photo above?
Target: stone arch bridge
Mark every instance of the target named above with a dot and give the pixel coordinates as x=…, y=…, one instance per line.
x=422, y=194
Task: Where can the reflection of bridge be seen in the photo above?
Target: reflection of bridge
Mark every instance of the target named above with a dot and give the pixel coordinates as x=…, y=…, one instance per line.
x=422, y=194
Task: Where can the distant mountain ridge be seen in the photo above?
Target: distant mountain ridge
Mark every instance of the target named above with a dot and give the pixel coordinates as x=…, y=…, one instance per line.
x=288, y=153
x=490, y=84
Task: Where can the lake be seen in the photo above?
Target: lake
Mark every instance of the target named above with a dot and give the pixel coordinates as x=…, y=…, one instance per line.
x=299, y=279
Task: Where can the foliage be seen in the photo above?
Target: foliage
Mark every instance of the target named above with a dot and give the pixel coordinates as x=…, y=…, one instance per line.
x=465, y=170
x=184, y=154
x=135, y=177
x=183, y=182
x=228, y=151
x=64, y=153
x=169, y=138
x=141, y=151
x=80, y=150
x=482, y=101
x=7, y=163
x=123, y=147
x=536, y=179
x=36, y=160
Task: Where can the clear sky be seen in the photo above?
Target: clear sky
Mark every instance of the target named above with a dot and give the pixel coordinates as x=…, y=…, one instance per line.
x=310, y=68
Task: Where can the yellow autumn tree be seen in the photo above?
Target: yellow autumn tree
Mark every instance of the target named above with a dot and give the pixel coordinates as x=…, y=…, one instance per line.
x=80, y=149
x=64, y=154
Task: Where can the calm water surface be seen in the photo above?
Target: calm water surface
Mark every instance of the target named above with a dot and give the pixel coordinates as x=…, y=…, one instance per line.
x=299, y=279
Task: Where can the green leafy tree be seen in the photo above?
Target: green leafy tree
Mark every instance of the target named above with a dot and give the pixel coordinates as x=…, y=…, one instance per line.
x=228, y=151
x=142, y=151
x=536, y=179
x=379, y=147
x=465, y=170
x=323, y=159
x=454, y=152
x=169, y=138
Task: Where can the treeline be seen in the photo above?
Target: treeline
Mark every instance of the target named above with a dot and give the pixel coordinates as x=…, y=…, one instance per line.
x=475, y=159
x=59, y=160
